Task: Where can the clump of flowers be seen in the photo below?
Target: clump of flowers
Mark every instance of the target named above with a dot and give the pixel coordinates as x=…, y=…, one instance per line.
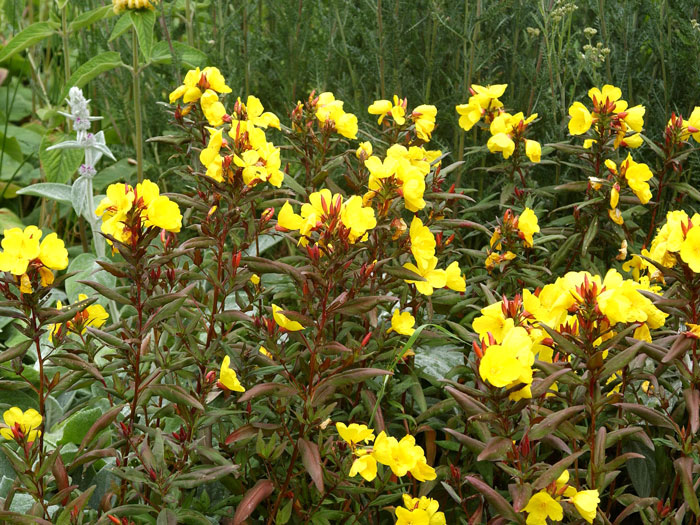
x=332, y=116
x=197, y=83
x=327, y=218
x=93, y=315
x=546, y=503
x=419, y=510
x=484, y=103
x=401, y=173
x=508, y=132
x=423, y=250
x=633, y=174
x=677, y=241
x=611, y=119
x=401, y=457
x=21, y=425
x=512, y=233
x=423, y=116
x=127, y=211
x=31, y=261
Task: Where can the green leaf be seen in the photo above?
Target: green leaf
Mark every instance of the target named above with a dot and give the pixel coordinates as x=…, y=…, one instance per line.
x=11, y=147
x=143, y=21
x=251, y=499
x=92, y=68
x=176, y=394
x=28, y=37
x=311, y=459
x=122, y=26
x=59, y=165
x=188, y=56
x=86, y=268
x=90, y=17
x=73, y=428
x=550, y=423
x=48, y=190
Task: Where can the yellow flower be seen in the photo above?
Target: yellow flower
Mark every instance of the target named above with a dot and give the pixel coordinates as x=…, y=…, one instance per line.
x=255, y=279
x=455, y=278
x=581, y=119
x=428, y=505
x=422, y=471
x=469, y=114
x=228, y=378
x=411, y=517
x=501, y=142
x=487, y=94
x=196, y=80
x=609, y=93
x=492, y=321
x=213, y=110
x=399, y=456
x=424, y=118
x=616, y=216
x=365, y=466
x=330, y=111
x=20, y=247
x=94, y=315
x=252, y=166
x=346, y=125
x=288, y=219
x=357, y=218
x=121, y=5
x=634, y=118
x=385, y=108
x=422, y=240
x=164, y=213
x=426, y=268
x=258, y=116
x=265, y=352
x=586, y=503
x=614, y=196
x=694, y=121
x=364, y=151
x=533, y=150
x=283, y=321
x=27, y=422
x=209, y=156
x=354, y=434
x=510, y=361
x=542, y=506
x=528, y=226
x=690, y=249
x=413, y=189
x=402, y=323
x=637, y=174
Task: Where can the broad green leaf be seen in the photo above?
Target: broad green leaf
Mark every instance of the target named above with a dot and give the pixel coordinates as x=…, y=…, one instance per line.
x=87, y=269
x=187, y=56
x=73, y=428
x=144, y=21
x=92, y=68
x=8, y=219
x=48, y=190
x=90, y=17
x=28, y=37
x=11, y=147
x=59, y=165
x=121, y=27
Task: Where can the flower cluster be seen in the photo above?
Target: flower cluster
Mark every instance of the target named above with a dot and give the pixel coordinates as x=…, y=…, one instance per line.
x=401, y=457
x=419, y=511
x=508, y=131
x=126, y=210
x=423, y=116
x=332, y=116
x=635, y=175
x=423, y=245
x=330, y=217
x=678, y=238
x=545, y=503
x=402, y=172
x=513, y=231
x=21, y=425
x=209, y=81
x=484, y=102
x=121, y=5
x=31, y=261
x=612, y=118
x=94, y=315
x=578, y=303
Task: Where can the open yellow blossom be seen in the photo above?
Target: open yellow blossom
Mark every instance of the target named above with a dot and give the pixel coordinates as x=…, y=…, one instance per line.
x=94, y=315
x=424, y=118
x=210, y=157
x=533, y=150
x=365, y=465
x=469, y=114
x=426, y=268
x=528, y=226
x=501, y=142
x=413, y=189
x=455, y=278
x=416, y=508
x=284, y=322
x=402, y=323
x=364, y=151
x=586, y=503
x=26, y=422
x=542, y=506
x=357, y=218
x=228, y=378
x=422, y=239
x=213, y=110
x=196, y=82
x=690, y=249
x=608, y=93
x=581, y=119
x=508, y=362
x=354, y=434
x=384, y=108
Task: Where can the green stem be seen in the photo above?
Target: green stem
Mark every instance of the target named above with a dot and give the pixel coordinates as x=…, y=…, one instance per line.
x=138, y=137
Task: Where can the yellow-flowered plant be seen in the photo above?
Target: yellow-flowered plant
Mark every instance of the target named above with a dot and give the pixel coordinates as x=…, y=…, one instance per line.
x=423, y=511
x=228, y=378
x=423, y=116
x=127, y=211
x=93, y=315
x=332, y=116
x=21, y=425
x=484, y=102
x=122, y=5
x=29, y=260
x=512, y=234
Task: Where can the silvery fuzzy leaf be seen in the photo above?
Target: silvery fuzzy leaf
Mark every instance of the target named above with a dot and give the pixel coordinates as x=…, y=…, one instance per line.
x=68, y=144
x=79, y=196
